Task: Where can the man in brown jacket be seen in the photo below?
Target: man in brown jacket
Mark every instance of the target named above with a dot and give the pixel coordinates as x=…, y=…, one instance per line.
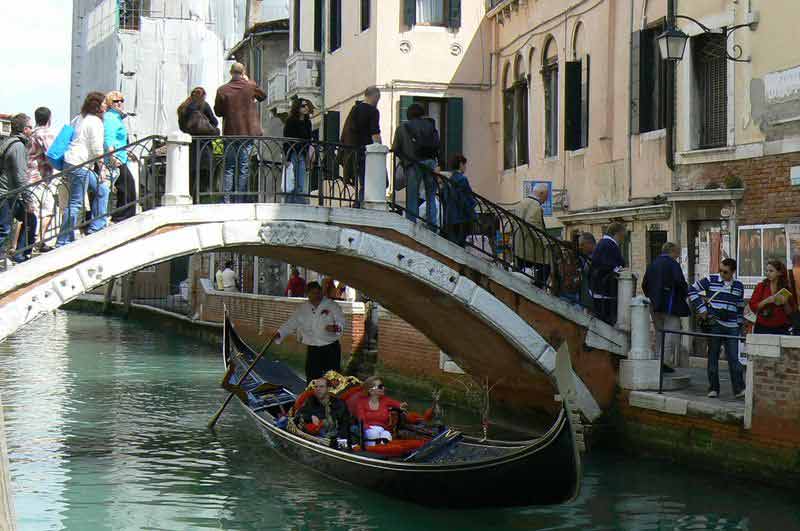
x=530, y=247
x=236, y=104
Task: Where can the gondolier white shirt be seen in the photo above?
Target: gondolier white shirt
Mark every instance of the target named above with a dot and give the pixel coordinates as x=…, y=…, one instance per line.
x=309, y=324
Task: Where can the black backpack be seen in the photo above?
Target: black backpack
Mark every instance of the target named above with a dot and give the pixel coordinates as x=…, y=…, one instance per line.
x=424, y=137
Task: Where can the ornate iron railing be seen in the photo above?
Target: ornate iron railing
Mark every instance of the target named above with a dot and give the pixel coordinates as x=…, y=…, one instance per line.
x=235, y=169
x=40, y=207
x=489, y=230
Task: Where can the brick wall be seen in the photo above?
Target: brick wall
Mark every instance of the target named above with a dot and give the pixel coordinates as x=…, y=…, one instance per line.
x=258, y=316
x=403, y=348
x=769, y=197
x=776, y=395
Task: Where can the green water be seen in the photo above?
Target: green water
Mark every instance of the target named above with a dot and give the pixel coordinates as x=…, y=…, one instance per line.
x=105, y=422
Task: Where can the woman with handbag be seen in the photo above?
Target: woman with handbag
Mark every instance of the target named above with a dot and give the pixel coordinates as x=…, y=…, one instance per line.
x=116, y=137
x=298, y=153
x=196, y=118
x=772, y=301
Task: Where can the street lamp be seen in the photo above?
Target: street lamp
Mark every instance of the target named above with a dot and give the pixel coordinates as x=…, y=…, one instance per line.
x=672, y=44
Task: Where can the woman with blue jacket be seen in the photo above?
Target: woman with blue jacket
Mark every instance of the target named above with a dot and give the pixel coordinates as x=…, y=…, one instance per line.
x=116, y=137
x=459, y=202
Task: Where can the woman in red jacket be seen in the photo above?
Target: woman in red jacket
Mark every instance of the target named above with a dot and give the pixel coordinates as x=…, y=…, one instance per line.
x=373, y=411
x=772, y=310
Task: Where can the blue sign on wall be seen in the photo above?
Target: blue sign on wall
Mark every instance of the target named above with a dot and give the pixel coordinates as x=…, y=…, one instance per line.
x=527, y=190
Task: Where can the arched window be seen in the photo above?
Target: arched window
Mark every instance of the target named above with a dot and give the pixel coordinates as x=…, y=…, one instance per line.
x=576, y=97
x=550, y=82
x=515, y=114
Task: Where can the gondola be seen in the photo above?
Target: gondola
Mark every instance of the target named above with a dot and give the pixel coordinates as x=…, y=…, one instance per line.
x=447, y=471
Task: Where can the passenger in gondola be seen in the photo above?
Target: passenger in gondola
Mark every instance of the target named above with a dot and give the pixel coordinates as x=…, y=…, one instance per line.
x=374, y=411
x=323, y=414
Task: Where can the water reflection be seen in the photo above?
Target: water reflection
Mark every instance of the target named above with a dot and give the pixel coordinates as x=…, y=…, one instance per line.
x=106, y=427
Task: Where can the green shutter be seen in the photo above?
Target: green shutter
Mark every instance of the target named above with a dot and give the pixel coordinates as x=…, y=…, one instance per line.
x=509, y=149
x=636, y=58
x=331, y=126
x=454, y=115
x=585, y=105
x=410, y=12
x=454, y=15
x=317, y=26
x=405, y=103
x=572, y=109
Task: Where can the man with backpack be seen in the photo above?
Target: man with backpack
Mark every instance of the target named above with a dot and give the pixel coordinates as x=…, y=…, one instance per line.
x=13, y=175
x=416, y=143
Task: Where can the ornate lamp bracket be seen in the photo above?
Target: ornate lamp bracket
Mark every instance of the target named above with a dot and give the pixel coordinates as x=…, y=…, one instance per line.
x=736, y=56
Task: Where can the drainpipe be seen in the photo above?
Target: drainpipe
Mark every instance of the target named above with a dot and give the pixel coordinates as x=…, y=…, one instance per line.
x=671, y=99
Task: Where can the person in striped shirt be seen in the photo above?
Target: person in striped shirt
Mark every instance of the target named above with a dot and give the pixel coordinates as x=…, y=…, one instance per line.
x=720, y=299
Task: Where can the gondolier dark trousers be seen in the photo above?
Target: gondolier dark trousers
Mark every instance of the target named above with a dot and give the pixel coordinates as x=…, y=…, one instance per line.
x=320, y=360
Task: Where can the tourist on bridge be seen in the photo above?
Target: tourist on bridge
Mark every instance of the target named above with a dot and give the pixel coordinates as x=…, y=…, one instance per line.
x=40, y=170
x=362, y=127
x=86, y=145
x=607, y=262
x=318, y=324
x=459, y=202
x=416, y=143
x=116, y=137
x=297, y=284
x=230, y=282
x=13, y=175
x=530, y=247
x=722, y=305
x=772, y=301
x=236, y=104
x=195, y=116
x=581, y=294
x=667, y=289
x=299, y=152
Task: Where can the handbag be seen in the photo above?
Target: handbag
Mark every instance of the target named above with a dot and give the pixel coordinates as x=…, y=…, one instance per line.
x=197, y=124
x=400, y=179
x=57, y=150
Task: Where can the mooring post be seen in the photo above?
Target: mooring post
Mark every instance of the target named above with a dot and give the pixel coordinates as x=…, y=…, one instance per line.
x=625, y=289
x=109, y=296
x=7, y=520
x=176, y=190
x=375, y=177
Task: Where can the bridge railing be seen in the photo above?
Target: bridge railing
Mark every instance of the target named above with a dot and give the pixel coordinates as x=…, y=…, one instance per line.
x=237, y=169
x=40, y=207
x=486, y=228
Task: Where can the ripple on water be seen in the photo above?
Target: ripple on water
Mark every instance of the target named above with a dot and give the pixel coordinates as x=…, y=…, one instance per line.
x=106, y=430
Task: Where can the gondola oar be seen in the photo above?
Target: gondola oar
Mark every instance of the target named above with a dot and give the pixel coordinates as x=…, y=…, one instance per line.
x=215, y=418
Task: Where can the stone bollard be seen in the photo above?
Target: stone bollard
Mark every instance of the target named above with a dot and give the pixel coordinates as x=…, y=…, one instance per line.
x=625, y=288
x=176, y=190
x=375, y=177
x=640, y=371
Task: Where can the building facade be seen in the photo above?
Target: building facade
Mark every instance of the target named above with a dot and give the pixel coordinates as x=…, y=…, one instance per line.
x=156, y=51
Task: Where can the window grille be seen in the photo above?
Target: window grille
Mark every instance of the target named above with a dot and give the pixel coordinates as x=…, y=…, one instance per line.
x=711, y=71
x=130, y=13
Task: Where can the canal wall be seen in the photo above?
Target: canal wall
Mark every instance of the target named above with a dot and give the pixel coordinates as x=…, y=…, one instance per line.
x=7, y=520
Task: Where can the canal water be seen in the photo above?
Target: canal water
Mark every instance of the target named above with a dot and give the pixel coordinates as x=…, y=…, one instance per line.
x=106, y=420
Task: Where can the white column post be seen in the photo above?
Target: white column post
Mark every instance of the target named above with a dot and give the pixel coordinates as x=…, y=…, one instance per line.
x=177, y=186
x=624, y=296
x=640, y=371
x=375, y=177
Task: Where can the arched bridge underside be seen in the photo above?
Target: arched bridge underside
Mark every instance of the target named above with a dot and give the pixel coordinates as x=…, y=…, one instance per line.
x=492, y=322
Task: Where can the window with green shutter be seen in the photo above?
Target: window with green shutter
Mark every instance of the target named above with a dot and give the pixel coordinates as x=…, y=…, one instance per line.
x=335, y=39
x=453, y=132
x=432, y=13
x=330, y=126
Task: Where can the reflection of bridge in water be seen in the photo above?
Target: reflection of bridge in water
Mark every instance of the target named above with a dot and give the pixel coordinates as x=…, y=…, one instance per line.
x=507, y=329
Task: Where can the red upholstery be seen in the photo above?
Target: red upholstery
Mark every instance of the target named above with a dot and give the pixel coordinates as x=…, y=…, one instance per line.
x=313, y=429
x=302, y=399
x=396, y=448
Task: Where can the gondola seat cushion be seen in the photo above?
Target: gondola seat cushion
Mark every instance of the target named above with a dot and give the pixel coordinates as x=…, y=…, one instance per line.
x=302, y=399
x=396, y=448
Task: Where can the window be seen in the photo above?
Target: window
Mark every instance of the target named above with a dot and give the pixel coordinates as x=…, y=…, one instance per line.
x=576, y=120
x=649, y=79
x=296, y=26
x=432, y=13
x=130, y=13
x=655, y=241
x=515, y=117
x=711, y=82
x=365, y=14
x=448, y=113
x=335, y=25
x=550, y=81
x=317, y=25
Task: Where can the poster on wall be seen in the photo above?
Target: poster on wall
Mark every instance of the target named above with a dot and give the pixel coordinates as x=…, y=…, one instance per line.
x=758, y=244
x=793, y=240
x=527, y=190
x=749, y=261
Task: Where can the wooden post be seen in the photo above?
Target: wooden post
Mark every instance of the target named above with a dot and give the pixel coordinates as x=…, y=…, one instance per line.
x=127, y=291
x=109, y=296
x=7, y=520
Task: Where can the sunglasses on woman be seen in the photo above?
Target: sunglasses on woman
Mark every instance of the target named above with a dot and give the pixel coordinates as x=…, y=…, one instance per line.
x=379, y=386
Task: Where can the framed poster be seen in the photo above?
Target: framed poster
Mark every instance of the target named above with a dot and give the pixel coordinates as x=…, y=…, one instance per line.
x=527, y=189
x=758, y=244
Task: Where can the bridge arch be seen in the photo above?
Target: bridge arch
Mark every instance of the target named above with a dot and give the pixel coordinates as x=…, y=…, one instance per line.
x=357, y=246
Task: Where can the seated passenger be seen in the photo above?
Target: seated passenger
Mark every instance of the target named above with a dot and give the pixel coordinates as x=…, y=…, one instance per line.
x=323, y=414
x=373, y=411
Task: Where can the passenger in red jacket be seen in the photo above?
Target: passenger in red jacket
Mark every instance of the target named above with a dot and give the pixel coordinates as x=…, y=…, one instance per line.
x=297, y=285
x=373, y=411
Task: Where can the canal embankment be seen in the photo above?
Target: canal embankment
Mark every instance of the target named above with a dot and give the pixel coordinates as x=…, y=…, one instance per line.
x=7, y=520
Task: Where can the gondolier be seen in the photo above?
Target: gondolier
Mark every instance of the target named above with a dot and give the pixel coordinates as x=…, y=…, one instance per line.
x=318, y=324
